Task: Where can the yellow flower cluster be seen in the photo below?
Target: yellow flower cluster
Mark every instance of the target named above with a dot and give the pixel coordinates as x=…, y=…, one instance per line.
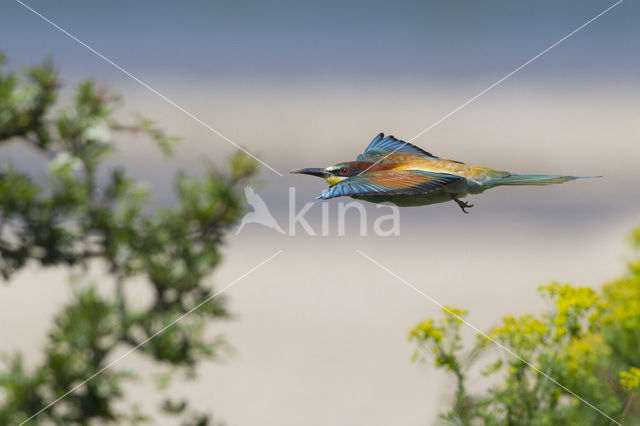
x=570, y=303
x=587, y=339
x=584, y=353
x=630, y=380
x=426, y=330
x=455, y=314
x=623, y=302
x=524, y=331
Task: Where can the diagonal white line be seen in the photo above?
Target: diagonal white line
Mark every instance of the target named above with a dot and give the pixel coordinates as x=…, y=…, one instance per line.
x=157, y=333
x=477, y=330
x=499, y=81
x=128, y=74
x=516, y=70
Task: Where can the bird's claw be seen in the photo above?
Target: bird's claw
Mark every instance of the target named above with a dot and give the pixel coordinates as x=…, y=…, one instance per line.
x=463, y=205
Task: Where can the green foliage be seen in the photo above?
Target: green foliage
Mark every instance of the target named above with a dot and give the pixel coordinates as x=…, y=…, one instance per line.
x=589, y=342
x=442, y=340
x=78, y=213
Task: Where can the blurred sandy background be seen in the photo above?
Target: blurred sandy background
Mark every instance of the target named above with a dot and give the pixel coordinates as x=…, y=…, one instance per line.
x=320, y=332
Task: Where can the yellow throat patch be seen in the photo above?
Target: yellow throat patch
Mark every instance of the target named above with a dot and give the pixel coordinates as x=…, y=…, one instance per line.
x=332, y=180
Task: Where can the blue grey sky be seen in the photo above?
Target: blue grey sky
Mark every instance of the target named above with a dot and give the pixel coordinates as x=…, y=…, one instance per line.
x=280, y=40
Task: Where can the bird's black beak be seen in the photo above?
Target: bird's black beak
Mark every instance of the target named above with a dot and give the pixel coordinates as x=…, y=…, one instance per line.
x=313, y=172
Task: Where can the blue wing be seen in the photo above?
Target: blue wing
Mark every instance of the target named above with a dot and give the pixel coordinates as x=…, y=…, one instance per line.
x=390, y=182
x=381, y=145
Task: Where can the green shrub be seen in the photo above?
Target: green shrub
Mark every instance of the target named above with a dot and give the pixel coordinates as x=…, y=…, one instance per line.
x=78, y=213
x=589, y=343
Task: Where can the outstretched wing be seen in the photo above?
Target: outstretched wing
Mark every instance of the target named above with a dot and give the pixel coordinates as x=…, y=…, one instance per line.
x=390, y=182
x=382, y=145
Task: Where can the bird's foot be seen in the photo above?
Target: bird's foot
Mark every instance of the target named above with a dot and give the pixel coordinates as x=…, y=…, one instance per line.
x=463, y=204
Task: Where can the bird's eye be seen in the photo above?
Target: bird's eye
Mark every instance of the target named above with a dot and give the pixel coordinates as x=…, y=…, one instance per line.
x=344, y=171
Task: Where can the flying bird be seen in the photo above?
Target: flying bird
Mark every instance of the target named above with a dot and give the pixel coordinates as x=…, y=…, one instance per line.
x=391, y=170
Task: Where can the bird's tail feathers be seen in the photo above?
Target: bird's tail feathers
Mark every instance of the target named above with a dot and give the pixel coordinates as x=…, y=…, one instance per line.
x=538, y=180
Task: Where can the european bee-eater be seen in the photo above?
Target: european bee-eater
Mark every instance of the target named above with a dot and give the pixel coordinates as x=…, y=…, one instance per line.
x=391, y=170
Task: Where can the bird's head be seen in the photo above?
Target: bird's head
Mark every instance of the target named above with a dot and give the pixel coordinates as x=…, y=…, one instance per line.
x=337, y=172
